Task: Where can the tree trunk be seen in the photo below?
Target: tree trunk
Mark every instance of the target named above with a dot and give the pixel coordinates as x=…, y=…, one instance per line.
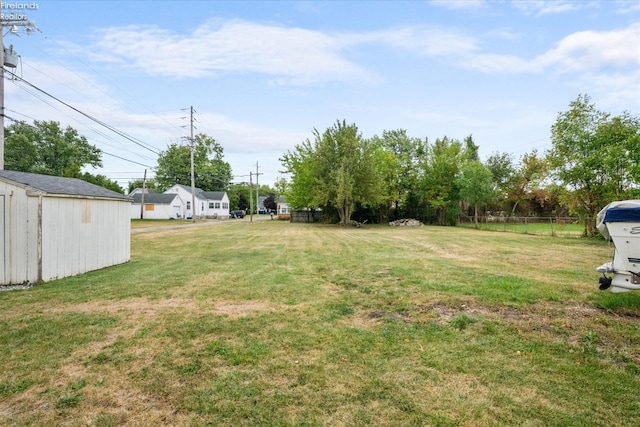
x=475, y=215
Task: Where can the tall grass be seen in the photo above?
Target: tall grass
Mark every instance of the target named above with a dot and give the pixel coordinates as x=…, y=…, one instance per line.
x=272, y=323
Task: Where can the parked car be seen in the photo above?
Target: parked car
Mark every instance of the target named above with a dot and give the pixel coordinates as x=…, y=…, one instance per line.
x=237, y=214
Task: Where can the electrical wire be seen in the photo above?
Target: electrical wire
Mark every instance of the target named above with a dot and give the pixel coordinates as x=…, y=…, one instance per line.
x=99, y=132
x=102, y=151
x=88, y=116
x=61, y=46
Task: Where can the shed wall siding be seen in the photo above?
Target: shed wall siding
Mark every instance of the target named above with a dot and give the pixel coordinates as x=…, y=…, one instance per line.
x=158, y=212
x=20, y=243
x=81, y=235
x=77, y=235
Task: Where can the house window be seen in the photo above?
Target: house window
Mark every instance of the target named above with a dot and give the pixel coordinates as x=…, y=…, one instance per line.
x=217, y=205
x=210, y=205
x=188, y=205
x=225, y=205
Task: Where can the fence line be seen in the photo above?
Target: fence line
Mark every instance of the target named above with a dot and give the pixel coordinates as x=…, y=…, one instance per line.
x=550, y=226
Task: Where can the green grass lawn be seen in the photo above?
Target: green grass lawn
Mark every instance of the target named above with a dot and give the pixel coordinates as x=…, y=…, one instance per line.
x=271, y=323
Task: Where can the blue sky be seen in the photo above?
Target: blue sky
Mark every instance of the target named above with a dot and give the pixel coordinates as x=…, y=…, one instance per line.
x=262, y=75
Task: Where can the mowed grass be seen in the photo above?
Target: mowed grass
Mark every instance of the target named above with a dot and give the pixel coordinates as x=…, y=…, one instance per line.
x=558, y=229
x=277, y=324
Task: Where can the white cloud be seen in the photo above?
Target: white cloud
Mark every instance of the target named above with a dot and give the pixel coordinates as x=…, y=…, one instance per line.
x=548, y=7
x=301, y=55
x=459, y=4
x=428, y=41
x=592, y=50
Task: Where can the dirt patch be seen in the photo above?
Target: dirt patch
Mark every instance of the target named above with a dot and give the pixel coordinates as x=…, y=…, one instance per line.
x=578, y=326
x=235, y=310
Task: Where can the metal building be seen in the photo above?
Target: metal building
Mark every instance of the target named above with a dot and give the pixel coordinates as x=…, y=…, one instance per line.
x=53, y=227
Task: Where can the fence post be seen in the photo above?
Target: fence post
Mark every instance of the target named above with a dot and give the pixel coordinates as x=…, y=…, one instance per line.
x=526, y=225
x=551, y=222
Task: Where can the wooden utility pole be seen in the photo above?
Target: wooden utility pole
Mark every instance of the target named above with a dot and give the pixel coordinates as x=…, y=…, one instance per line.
x=193, y=175
x=250, y=197
x=144, y=186
x=257, y=188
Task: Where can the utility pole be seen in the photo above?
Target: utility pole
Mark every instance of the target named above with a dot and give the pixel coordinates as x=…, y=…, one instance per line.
x=257, y=188
x=250, y=197
x=9, y=58
x=193, y=175
x=144, y=186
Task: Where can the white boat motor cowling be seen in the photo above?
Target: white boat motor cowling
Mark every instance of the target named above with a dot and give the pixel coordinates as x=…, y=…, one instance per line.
x=620, y=223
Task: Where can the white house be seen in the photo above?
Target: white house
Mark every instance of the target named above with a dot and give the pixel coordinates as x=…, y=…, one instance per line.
x=156, y=206
x=217, y=204
x=208, y=204
x=283, y=208
x=55, y=227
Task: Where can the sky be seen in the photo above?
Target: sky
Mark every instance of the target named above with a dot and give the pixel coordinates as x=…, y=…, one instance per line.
x=262, y=75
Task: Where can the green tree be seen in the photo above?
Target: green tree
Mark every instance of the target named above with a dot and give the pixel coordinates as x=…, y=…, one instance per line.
x=476, y=186
x=238, y=196
x=441, y=167
x=46, y=148
x=503, y=173
x=243, y=202
x=471, y=150
x=211, y=172
x=281, y=186
x=594, y=158
x=527, y=178
x=336, y=170
x=399, y=162
x=102, y=181
x=138, y=183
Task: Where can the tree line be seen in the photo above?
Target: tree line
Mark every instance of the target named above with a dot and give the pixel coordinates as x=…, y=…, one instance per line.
x=593, y=159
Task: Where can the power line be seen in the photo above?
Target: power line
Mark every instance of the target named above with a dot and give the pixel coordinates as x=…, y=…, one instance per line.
x=98, y=121
x=61, y=46
x=35, y=95
x=102, y=151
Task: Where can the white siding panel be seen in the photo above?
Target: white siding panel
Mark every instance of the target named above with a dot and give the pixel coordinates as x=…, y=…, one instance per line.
x=77, y=235
x=83, y=235
x=20, y=245
x=159, y=211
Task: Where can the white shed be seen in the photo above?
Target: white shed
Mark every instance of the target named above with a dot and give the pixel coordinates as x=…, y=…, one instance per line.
x=55, y=227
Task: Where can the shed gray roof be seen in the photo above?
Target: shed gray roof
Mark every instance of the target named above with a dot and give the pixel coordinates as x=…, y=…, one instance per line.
x=154, y=198
x=58, y=185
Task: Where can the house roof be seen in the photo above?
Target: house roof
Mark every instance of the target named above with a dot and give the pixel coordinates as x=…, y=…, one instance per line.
x=154, y=198
x=198, y=191
x=204, y=195
x=214, y=195
x=139, y=191
x=58, y=185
